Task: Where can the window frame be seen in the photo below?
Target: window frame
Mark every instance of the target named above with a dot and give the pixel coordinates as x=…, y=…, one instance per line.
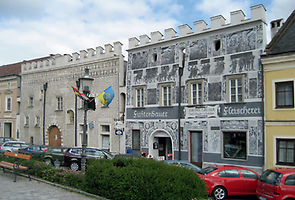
x=276, y=94
x=107, y=126
x=162, y=100
x=26, y=121
x=278, y=162
x=229, y=91
x=199, y=97
x=31, y=102
x=236, y=153
x=59, y=103
x=8, y=103
x=37, y=121
x=132, y=139
x=141, y=96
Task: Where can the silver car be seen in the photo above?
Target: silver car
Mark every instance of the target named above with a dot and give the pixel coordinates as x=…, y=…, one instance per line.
x=12, y=146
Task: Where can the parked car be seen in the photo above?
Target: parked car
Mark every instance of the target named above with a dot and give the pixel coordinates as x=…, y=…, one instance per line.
x=12, y=146
x=223, y=181
x=6, y=139
x=182, y=163
x=72, y=157
x=33, y=149
x=53, y=154
x=276, y=184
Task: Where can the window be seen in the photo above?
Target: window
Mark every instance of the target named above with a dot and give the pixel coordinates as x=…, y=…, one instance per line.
x=70, y=117
x=284, y=94
x=235, y=88
x=37, y=121
x=8, y=103
x=234, y=145
x=105, y=128
x=59, y=103
x=139, y=97
x=230, y=173
x=196, y=92
x=26, y=121
x=166, y=95
x=286, y=151
x=135, y=139
x=31, y=102
x=248, y=174
x=290, y=180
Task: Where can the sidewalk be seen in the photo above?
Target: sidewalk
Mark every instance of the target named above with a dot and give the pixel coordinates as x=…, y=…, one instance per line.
x=36, y=190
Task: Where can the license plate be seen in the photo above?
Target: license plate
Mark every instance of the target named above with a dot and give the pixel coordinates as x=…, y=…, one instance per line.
x=262, y=198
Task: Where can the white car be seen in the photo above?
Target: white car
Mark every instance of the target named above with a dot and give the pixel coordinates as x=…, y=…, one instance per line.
x=12, y=146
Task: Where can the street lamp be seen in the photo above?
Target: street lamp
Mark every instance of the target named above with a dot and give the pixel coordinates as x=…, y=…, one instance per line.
x=76, y=112
x=85, y=83
x=44, y=106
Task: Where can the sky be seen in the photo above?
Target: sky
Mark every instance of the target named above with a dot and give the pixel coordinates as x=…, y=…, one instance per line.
x=32, y=29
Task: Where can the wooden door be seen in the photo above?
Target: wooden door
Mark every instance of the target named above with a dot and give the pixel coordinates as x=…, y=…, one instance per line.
x=54, y=137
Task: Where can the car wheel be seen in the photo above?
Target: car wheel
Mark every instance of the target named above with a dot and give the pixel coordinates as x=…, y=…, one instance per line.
x=48, y=161
x=74, y=166
x=219, y=193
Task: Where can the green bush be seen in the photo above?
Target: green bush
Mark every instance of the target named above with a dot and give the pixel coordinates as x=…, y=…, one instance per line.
x=140, y=178
x=125, y=178
x=60, y=176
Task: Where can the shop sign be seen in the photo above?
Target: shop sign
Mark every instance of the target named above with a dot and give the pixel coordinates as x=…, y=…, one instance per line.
x=201, y=112
x=250, y=109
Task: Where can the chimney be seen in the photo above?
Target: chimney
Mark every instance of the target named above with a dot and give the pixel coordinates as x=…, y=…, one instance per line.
x=275, y=26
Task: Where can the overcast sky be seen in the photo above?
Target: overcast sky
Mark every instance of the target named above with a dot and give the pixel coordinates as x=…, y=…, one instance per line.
x=36, y=28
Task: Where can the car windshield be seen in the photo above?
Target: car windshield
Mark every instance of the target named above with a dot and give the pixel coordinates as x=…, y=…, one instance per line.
x=207, y=170
x=271, y=177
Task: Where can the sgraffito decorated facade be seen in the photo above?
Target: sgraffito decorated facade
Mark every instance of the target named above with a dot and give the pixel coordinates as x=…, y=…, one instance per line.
x=216, y=74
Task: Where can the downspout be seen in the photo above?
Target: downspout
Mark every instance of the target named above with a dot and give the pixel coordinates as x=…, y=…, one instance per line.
x=180, y=71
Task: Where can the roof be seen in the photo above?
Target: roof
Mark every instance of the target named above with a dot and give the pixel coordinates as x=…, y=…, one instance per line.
x=283, y=42
x=15, y=68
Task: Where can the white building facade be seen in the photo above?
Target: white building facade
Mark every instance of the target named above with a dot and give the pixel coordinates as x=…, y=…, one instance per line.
x=217, y=70
x=48, y=107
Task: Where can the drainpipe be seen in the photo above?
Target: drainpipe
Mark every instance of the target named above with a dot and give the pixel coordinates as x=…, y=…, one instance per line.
x=44, y=105
x=180, y=71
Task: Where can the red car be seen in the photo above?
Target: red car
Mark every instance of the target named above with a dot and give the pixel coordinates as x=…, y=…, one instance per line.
x=276, y=184
x=223, y=181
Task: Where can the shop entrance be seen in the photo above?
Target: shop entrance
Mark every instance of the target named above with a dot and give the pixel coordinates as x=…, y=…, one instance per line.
x=196, y=146
x=161, y=145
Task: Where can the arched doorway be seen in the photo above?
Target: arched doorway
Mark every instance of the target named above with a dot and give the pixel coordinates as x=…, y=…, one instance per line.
x=160, y=145
x=54, y=136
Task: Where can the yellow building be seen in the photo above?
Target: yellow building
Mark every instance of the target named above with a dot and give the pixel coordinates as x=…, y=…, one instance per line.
x=279, y=79
x=9, y=100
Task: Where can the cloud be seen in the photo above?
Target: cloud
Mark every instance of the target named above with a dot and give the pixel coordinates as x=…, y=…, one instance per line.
x=222, y=7
x=66, y=26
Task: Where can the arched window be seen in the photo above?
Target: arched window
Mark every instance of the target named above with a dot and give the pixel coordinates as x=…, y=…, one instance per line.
x=70, y=117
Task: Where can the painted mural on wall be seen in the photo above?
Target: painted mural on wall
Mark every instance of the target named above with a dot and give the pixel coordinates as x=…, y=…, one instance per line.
x=234, y=53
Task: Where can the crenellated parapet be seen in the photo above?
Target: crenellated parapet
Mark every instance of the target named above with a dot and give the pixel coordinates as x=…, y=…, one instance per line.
x=217, y=22
x=82, y=56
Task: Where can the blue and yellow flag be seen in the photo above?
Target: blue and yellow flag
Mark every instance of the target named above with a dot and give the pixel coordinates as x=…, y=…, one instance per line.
x=106, y=96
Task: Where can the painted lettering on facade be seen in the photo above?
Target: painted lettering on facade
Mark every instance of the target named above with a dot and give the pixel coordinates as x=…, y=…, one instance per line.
x=152, y=114
x=202, y=112
x=242, y=110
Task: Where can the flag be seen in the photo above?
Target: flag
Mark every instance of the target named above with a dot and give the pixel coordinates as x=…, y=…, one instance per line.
x=81, y=95
x=106, y=96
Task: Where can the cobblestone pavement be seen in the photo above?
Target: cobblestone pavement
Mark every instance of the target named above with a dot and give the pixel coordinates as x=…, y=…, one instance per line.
x=35, y=190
